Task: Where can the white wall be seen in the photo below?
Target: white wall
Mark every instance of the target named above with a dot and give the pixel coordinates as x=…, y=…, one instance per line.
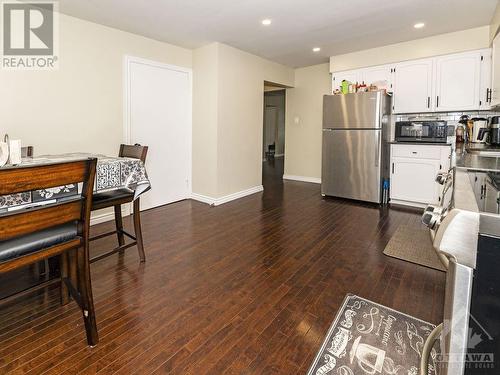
x=303, y=139
x=459, y=41
x=80, y=106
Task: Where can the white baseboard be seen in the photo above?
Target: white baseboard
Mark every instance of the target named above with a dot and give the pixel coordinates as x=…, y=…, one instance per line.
x=227, y=198
x=314, y=180
x=407, y=203
x=108, y=216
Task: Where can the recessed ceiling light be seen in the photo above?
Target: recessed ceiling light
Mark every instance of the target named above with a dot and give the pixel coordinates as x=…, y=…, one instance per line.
x=316, y=49
x=419, y=25
x=266, y=22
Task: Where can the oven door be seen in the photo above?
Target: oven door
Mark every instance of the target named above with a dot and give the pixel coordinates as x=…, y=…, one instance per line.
x=455, y=328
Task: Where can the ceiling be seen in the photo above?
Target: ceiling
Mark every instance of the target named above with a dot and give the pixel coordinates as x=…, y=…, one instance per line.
x=337, y=26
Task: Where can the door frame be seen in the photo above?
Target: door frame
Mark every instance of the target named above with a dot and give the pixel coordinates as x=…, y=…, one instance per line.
x=127, y=61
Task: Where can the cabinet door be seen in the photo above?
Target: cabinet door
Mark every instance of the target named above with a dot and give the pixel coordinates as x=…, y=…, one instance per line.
x=485, y=81
x=352, y=76
x=413, y=180
x=457, y=82
x=377, y=73
x=495, y=72
x=413, y=86
x=478, y=183
x=490, y=198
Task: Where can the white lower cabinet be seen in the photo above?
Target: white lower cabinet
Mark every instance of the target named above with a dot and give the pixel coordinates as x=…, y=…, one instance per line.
x=413, y=172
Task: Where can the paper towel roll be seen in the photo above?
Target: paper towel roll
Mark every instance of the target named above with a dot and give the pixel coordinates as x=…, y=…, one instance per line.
x=4, y=153
x=14, y=151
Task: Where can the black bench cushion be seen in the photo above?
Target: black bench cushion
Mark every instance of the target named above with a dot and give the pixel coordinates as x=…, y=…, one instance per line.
x=110, y=196
x=33, y=242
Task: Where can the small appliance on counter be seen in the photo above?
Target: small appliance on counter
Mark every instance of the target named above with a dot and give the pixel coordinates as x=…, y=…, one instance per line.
x=479, y=126
x=492, y=132
x=425, y=131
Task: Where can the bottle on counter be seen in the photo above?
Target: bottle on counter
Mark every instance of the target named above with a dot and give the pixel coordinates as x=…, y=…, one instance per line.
x=460, y=134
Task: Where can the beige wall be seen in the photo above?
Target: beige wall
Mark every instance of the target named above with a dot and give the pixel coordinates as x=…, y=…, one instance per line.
x=303, y=139
x=80, y=106
x=495, y=23
x=205, y=81
x=239, y=97
x=241, y=111
x=436, y=45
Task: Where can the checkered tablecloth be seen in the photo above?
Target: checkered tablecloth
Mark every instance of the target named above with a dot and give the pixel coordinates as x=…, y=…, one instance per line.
x=112, y=173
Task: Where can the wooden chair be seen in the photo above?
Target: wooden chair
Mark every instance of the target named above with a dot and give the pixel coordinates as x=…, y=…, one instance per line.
x=62, y=228
x=115, y=199
x=27, y=152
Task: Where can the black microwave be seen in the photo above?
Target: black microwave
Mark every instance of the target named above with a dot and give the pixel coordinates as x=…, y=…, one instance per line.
x=435, y=131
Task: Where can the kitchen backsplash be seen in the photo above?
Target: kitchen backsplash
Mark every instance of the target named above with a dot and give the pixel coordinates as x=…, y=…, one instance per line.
x=451, y=117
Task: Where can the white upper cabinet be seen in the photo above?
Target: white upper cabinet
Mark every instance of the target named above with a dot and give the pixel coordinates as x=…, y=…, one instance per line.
x=413, y=86
x=352, y=76
x=377, y=74
x=485, y=80
x=467, y=81
x=495, y=95
x=457, y=81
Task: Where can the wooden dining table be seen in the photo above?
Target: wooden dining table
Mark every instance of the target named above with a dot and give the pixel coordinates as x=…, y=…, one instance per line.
x=112, y=173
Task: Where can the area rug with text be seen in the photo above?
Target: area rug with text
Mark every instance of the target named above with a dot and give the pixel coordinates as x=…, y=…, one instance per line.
x=368, y=338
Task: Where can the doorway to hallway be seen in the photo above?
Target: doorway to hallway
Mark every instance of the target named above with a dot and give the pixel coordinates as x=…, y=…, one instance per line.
x=274, y=123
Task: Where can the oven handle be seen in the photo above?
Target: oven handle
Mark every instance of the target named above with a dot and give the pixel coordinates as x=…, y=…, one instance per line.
x=426, y=351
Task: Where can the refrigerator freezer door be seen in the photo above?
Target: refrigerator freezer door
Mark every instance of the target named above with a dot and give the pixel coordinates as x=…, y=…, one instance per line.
x=360, y=110
x=352, y=164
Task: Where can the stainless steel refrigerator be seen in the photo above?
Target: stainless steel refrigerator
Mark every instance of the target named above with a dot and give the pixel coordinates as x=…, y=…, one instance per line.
x=355, y=149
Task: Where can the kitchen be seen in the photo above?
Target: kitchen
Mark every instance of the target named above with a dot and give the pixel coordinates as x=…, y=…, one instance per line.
x=425, y=133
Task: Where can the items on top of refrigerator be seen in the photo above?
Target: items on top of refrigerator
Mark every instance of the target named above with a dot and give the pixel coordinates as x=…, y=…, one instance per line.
x=349, y=88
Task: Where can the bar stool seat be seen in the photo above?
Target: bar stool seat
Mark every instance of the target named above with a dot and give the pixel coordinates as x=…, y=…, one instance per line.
x=37, y=241
x=115, y=199
x=107, y=198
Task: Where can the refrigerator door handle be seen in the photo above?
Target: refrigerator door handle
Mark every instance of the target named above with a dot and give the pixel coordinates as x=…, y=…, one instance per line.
x=377, y=149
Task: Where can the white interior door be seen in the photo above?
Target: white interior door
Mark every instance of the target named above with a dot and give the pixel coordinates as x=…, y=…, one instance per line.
x=159, y=116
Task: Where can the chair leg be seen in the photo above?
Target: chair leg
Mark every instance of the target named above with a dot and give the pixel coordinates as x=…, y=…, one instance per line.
x=63, y=259
x=138, y=230
x=119, y=225
x=85, y=288
x=73, y=271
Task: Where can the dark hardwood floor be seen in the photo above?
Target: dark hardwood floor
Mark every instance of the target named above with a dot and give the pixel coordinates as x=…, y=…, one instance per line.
x=249, y=287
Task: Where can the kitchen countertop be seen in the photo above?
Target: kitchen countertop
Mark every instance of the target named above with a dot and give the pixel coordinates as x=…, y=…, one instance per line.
x=468, y=161
x=463, y=195
x=419, y=143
